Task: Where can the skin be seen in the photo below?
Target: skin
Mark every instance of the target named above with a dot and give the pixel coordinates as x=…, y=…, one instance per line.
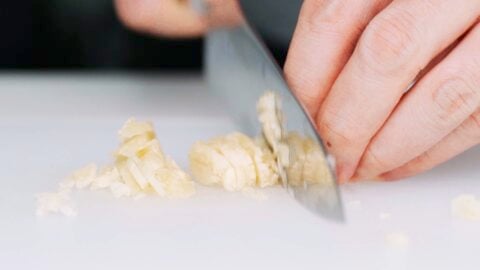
x=351, y=62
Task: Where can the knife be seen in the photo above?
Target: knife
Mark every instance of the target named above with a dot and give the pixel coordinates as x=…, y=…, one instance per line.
x=240, y=69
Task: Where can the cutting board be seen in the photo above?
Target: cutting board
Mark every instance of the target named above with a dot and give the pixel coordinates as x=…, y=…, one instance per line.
x=51, y=124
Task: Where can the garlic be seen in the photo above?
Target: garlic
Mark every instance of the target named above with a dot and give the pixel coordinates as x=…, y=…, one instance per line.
x=234, y=162
x=466, y=207
x=307, y=162
x=140, y=167
x=144, y=167
x=83, y=177
x=55, y=202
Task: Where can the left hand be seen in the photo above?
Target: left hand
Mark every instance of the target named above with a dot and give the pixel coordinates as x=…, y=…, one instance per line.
x=350, y=62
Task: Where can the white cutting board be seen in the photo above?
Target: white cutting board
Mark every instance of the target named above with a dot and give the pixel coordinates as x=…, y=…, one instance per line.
x=52, y=124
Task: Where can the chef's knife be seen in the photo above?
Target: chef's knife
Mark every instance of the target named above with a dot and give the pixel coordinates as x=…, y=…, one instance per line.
x=239, y=68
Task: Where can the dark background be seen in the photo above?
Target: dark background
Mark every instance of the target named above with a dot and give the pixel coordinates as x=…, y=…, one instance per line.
x=86, y=34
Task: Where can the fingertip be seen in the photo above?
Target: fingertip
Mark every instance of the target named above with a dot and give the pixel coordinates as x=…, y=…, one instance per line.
x=161, y=17
x=344, y=171
x=125, y=10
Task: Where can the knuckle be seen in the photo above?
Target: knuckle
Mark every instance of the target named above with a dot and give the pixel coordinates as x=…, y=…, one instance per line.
x=389, y=41
x=325, y=17
x=453, y=100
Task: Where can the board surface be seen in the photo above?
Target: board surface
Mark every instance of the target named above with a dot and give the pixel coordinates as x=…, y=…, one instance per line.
x=51, y=124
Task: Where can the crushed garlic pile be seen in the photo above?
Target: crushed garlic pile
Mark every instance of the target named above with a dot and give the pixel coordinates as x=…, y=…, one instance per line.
x=234, y=162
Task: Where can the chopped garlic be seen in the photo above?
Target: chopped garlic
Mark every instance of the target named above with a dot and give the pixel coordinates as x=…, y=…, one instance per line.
x=55, y=202
x=307, y=161
x=107, y=176
x=143, y=166
x=140, y=168
x=83, y=177
x=271, y=119
x=133, y=166
x=208, y=166
x=120, y=189
x=263, y=160
x=233, y=161
x=239, y=159
x=133, y=146
x=132, y=128
x=268, y=108
x=466, y=207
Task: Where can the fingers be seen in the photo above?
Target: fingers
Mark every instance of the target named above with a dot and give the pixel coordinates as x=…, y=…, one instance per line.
x=439, y=103
x=324, y=39
x=173, y=18
x=399, y=42
x=461, y=139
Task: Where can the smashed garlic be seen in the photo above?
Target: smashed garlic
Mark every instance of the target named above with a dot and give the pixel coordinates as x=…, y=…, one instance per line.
x=300, y=159
x=140, y=168
x=307, y=162
x=466, y=207
x=269, y=110
x=234, y=162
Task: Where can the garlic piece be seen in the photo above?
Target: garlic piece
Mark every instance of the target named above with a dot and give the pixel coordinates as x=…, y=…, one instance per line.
x=268, y=107
x=466, y=207
x=307, y=161
x=397, y=240
x=55, y=202
x=233, y=161
x=144, y=167
x=132, y=128
x=269, y=110
x=107, y=176
x=83, y=177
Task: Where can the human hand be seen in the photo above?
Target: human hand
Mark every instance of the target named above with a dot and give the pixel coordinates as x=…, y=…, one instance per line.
x=173, y=18
x=350, y=63
x=176, y=18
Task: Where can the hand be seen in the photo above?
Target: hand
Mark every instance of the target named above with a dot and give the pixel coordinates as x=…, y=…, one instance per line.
x=176, y=18
x=350, y=63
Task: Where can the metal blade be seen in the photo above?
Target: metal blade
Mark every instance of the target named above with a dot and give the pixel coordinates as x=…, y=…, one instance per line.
x=240, y=69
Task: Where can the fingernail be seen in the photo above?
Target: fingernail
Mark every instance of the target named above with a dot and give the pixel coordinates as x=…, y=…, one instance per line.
x=344, y=171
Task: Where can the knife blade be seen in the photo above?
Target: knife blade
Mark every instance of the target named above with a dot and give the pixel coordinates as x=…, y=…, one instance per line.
x=240, y=69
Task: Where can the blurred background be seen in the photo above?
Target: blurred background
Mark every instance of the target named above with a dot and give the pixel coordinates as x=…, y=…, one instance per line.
x=86, y=34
